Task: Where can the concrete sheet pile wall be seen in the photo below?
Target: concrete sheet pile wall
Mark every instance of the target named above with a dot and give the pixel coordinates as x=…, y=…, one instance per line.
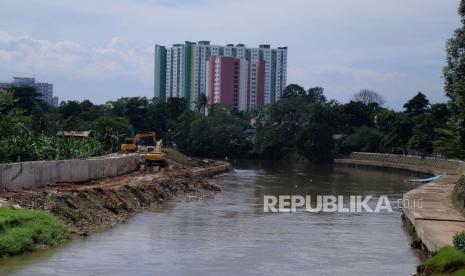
x=36, y=174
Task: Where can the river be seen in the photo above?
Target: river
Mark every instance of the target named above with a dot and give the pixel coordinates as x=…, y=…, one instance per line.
x=231, y=235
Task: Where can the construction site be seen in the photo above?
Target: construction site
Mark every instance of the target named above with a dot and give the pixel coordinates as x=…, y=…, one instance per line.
x=96, y=193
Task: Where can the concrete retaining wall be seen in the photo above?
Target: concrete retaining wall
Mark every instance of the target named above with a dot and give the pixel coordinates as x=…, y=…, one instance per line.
x=427, y=163
x=42, y=173
x=211, y=171
x=435, y=220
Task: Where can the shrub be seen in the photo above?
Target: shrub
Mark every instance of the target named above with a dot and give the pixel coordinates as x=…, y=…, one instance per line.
x=459, y=241
x=27, y=146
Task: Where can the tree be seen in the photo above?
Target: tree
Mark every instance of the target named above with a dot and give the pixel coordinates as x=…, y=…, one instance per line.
x=363, y=139
x=279, y=123
x=368, y=96
x=315, y=141
x=27, y=99
x=70, y=108
x=220, y=134
x=74, y=123
x=176, y=106
x=454, y=76
x=357, y=114
x=202, y=103
x=181, y=134
x=448, y=142
x=12, y=122
x=157, y=118
x=316, y=95
x=422, y=133
x=85, y=109
x=111, y=130
x=293, y=90
x=396, y=128
x=133, y=108
x=417, y=105
x=12, y=119
x=421, y=143
x=111, y=124
x=201, y=137
x=440, y=113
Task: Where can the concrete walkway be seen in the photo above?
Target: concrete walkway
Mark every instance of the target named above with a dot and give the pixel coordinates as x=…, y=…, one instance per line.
x=429, y=208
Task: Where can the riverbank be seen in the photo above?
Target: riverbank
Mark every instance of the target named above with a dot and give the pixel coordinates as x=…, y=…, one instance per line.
x=429, y=207
x=27, y=230
x=93, y=205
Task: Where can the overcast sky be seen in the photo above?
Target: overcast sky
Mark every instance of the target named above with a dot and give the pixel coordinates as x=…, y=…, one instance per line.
x=103, y=49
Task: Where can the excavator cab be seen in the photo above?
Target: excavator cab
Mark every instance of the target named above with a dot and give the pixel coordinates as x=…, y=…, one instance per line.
x=146, y=144
x=154, y=155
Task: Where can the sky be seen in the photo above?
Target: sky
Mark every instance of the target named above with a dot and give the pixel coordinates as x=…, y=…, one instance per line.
x=103, y=49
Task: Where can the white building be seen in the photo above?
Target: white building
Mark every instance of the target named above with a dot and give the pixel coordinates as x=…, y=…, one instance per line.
x=187, y=64
x=275, y=70
x=280, y=78
x=175, y=71
x=44, y=89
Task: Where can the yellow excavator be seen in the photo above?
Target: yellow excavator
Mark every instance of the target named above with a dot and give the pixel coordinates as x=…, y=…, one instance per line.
x=146, y=144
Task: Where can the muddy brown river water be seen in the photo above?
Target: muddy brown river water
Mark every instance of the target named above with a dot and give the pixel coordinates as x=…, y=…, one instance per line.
x=231, y=235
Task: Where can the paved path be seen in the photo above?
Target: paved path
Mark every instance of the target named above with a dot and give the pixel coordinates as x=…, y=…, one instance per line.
x=429, y=208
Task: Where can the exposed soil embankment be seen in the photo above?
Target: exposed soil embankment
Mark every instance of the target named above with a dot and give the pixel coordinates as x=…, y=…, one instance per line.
x=102, y=203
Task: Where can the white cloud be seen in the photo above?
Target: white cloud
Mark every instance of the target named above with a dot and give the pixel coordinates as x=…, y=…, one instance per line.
x=28, y=56
x=104, y=47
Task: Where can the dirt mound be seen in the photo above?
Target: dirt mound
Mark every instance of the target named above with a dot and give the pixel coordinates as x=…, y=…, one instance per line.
x=100, y=204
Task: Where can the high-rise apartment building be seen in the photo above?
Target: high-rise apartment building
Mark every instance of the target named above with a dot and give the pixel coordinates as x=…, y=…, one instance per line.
x=183, y=69
x=235, y=82
x=256, y=84
x=45, y=90
x=160, y=72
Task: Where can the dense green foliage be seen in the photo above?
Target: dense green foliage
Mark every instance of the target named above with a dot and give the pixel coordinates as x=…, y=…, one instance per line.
x=25, y=230
x=29, y=147
x=28, y=131
x=303, y=124
x=454, y=76
x=459, y=241
x=363, y=139
x=447, y=261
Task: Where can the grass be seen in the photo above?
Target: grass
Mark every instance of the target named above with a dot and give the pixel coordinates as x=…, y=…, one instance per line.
x=26, y=230
x=176, y=155
x=448, y=261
